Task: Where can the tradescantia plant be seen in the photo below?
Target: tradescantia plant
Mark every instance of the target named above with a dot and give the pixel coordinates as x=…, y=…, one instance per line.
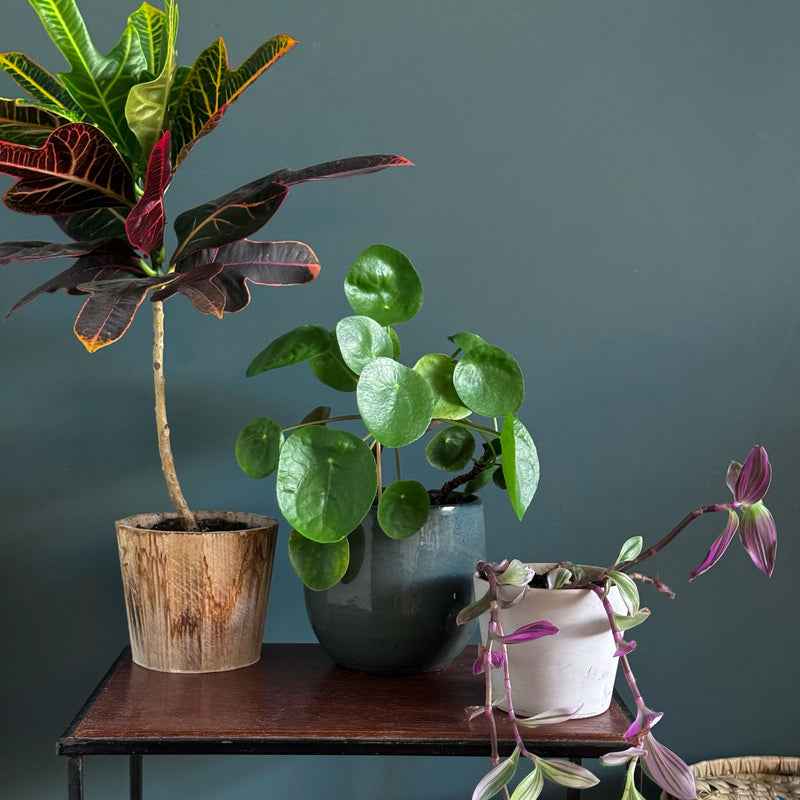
x=746, y=513
x=97, y=147
x=328, y=478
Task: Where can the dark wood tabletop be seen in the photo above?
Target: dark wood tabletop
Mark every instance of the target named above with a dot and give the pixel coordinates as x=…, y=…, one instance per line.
x=295, y=700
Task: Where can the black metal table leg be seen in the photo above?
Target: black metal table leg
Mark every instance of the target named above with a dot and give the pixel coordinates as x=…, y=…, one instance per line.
x=136, y=777
x=75, y=777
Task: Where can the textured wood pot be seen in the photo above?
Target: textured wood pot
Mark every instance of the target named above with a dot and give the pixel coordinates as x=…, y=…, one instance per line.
x=196, y=602
x=576, y=667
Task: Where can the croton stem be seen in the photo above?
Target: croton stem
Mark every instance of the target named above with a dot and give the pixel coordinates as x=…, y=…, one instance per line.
x=185, y=515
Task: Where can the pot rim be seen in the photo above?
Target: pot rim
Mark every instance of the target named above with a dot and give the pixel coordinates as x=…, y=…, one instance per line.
x=251, y=521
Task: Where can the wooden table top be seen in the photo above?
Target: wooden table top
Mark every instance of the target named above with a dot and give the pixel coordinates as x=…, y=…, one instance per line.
x=296, y=700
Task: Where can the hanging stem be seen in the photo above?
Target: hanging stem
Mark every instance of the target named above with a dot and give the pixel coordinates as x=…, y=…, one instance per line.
x=185, y=515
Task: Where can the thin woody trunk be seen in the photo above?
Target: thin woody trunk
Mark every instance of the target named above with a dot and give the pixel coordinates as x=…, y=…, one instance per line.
x=185, y=516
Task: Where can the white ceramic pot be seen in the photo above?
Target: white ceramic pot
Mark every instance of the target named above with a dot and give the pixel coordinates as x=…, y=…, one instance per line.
x=575, y=667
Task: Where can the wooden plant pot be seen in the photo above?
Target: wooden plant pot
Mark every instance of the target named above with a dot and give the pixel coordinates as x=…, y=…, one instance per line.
x=196, y=602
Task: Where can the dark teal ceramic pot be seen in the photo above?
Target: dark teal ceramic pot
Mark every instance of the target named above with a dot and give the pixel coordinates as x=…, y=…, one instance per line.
x=394, y=612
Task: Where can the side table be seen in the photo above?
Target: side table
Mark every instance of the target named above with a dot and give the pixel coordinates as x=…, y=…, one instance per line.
x=297, y=701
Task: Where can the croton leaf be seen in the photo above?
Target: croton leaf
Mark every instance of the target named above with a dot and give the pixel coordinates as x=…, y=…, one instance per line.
x=95, y=223
x=40, y=84
x=146, y=106
x=35, y=251
x=211, y=86
x=108, y=313
x=228, y=218
x=98, y=83
x=340, y=168
x=109, y=260
x=146, y=220
x=76, y=169
x=26, y=124
x=246, y=261
x=199, y=287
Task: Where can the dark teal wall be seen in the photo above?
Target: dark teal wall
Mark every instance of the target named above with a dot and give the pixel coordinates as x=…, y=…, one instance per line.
x=607, y=189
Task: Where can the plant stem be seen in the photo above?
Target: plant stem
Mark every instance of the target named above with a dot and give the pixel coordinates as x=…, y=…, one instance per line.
x=185, y=516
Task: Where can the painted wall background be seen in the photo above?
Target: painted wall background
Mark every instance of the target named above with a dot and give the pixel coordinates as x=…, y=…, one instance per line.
x=607, y=190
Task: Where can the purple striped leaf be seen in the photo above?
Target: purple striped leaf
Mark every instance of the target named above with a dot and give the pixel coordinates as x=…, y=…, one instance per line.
x=145, y=223
x=754, y=478
x=719, y=546
x=76, y=169
x=529, y=632
x=668, y=770
x=759, y=537
x=264, y=263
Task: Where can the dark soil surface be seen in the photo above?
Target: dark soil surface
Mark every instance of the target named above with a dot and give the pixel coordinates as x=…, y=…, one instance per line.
x=205, y=525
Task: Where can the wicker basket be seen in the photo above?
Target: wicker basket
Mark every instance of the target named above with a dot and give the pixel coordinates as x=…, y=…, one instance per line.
x=747, y=778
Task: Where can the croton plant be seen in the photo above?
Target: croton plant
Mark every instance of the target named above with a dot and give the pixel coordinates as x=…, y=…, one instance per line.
x=96, y=148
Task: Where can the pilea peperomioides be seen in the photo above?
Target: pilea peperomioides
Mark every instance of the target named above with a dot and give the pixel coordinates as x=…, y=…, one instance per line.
x=96, y=148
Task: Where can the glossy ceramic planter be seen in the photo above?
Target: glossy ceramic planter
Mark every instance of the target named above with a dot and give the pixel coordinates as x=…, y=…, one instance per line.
x=575, y=667
x=196, y=602
x=394, y=613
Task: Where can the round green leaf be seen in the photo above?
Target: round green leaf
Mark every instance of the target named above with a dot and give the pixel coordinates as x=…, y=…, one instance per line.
x=451, y=449
x=489, y=381
x=395, y=403
x=293, y=347
x=403, y=509
x=520, y=464
x=319, y=566
x=326, y=483
x=360, y=340
x=382, y=284
x=395, y=342
x=438, y=369
x=330, y=369
x=258, y=448
x=466, y=341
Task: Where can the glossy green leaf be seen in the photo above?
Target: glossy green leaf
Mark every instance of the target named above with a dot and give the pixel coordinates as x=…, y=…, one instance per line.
x=466, y=341
x=319, y=565
x=146, y=106
x=211, y=86
x=494, y=780
x=40, y=84
x=630, y=549
x=293, y=347
x=330, y=369
x=627, y=589
x=395, y=342
x=326, y=482
x=361, y=340
x=98, y=83
x=530, y=787
x=395, y=403
x=489, y=381
x=27, y=124
x=437, y=369
x=451, y=449
x=403, y=509
x=520, y=464
x=479, y=481
x=258, y=447
x=382, y=284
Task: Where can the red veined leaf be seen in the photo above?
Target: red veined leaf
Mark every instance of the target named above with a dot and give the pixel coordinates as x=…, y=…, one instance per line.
x=145, y=223
x=27, y=124
x=35, y=251
x=96, y=223
x=228, y=218
x=340, y=168
x=211, y=86
x=77, y=168
x=264, y=263
x=199, y=287
x=110, y=260
x=108, y=313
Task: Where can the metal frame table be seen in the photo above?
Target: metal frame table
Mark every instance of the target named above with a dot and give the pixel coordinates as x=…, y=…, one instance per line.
x=295, y=700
